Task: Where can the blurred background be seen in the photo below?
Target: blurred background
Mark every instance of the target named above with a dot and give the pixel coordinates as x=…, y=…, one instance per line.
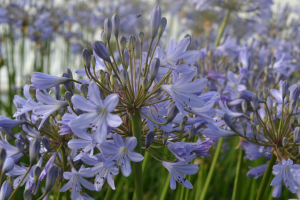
x=49, y=36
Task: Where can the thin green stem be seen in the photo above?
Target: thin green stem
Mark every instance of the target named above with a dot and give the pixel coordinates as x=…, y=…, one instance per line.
x=138, y=173
x=110, y=192
x=65, y=163
x=222, y=28
x=237, y=175
x=165, y=189
x=212, y=169
x=266, y=178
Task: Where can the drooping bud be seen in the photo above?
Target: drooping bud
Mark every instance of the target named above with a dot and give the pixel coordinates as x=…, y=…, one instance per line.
x=155, y=64
x=163, y=24
x=10, y=180
x=149, y=139
x=183, y=124
x=5, y=191
x=295, y=94
x=2, y=156
x=115, y=24
x=172, y=112
x=126, y=59
x=284, y=141
x=27, y=195
x=166, y=137
x=155, y=21
x=104, y=38
x=244, y=107
x=107, y=28
x=51, y=177
x=285, y=88
x=254, y=130
x=191, y=132
x=68, y=97
x=34, y=150
x=228, y=121
x=124, y=77
x=122, y=43
x=101, y=51
x=8, y=165
x=56, y=92
x=244, y=127
x=84, y=90
x=86, y=57
x=254, y=102
x=144, y=83
x=266, y=93
x=60, y=174
x=141, y=36
x=270, y=104
x=36, y=173
x=296, y=134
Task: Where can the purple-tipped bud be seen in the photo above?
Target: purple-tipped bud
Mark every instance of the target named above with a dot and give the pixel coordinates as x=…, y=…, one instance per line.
x=155, y=64
x=122, y=43
x=163, y=24
x=36, y=173
x=254, y=130
x=5, y=191
x=295, y=94
x=46, y=143
x=84, y=90
x=255, y=103
x=115, y=24
x=172, y=112
x=86, y=57
x=107, y=28
x=51, y=177
x=60, y=174
x=104, y=38
x=268, y=156
x=149, y=139
x=191, y=132
x=246, y=94
x=68, y=96
x=292, y=106
x=270, y=104
x=101, y=51
x=228, y=121
x=56, y=92
x=124, y=77
x=285, y=89
x=183, y=124
x=126, y=59
x=2, y=157
x=8, y=165
x=27, y=195
x=34, y=150
x=155, y=21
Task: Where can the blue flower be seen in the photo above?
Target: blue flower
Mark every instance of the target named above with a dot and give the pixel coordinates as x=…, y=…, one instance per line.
x=178, y=169
x=257, y=171
x=121, y=153
x=98, y=114
x=45, y=81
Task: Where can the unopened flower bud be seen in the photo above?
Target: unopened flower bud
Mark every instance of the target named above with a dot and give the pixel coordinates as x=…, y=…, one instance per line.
x=254, y=102
x=34, y=150
x=258, y=128
x=266, y=119
x=144, y=83
x=244, y=107
x=155, y=21
x=122, y=43
x=266, y=93
x=141, y=36
x=113, y=80
x=292, y=106
x=46, y=143
x=270, y=104
x=166, y=137
x=126, y=59
x=68, y=97
x=284, y=141
x=2, y=156
x=115, y=24
x=254, y=130
x=155, y=64
x=228, y=121
x=172, y=112
x=132, y=41
x=86, y=57
x=5, y=191
x=8, y=165
x=191, y=132
x=36, y=173
x=10, y=180
x=51, y=177
x=84, y=90
x=285, y=89
x=252, y=116
x=93, y=61
x=101, y=74
x=246, y=94
x=244, y=127
x=101, y=51
x=296, y=134
x=183, y=124
x=268, y=156
x=124, y=77
x=27, y=195
x=286, y=109
x=149, y=139
x=163, y=24
x=107, y=28
x=295, y=94
x=287, y=97
x=104, y=38
x=60, y=174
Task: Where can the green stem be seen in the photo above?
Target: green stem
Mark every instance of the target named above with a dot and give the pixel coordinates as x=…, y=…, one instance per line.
x=182, y=193
x=267, y=175
x=110, y=192
x=138, y=173
x=212, y=169
x=165, y=189
x=237, y=175
x=222, y=28
x=65, y=163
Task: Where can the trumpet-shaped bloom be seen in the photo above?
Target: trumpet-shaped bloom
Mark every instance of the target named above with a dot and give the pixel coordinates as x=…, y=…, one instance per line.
x=98, y=114
x=284, y=174
x=121, y=153
x=45, y=81
x=76, y=180
x=178, y=169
